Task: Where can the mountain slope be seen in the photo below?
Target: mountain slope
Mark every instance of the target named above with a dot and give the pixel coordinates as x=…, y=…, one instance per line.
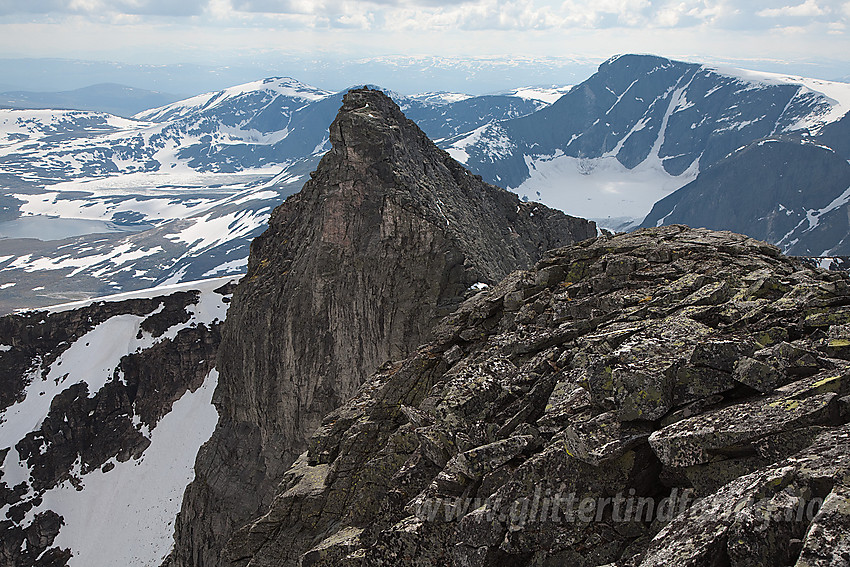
x=642, y=127
x=103, y=406
x=672, y=396
x=783, y=192
x=388, y=235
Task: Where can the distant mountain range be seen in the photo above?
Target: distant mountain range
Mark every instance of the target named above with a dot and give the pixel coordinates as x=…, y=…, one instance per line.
x=95, y=204
x=112, y=98
x=416, y=73
x=644, y=126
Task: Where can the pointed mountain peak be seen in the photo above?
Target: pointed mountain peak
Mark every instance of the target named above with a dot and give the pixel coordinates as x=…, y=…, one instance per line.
x=388, y=236
x=380, y=157
x=370, y=127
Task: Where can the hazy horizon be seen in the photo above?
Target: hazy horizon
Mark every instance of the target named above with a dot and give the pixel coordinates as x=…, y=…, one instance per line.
x=473, y=46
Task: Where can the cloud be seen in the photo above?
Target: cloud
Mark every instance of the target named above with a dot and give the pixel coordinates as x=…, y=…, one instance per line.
x=809, y=8
x=336, y=6
x=444, y=15
x=32, y=6
x=278, y=6
x=99, y=8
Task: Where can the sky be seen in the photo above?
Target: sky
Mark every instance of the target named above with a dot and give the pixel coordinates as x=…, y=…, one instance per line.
x=807, y=37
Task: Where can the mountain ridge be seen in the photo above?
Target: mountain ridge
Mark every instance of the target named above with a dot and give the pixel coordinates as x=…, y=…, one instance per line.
x=644, y=126
x=697, y=377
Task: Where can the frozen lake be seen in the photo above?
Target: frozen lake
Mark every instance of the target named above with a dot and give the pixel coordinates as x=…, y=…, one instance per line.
x=53, y=228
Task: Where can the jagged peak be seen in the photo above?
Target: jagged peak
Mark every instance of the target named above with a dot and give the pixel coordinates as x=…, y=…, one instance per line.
x=368, y=111
x=389, y=235
x=377, y=152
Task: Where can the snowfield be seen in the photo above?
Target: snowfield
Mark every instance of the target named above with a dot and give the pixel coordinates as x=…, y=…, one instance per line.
x=600, y=189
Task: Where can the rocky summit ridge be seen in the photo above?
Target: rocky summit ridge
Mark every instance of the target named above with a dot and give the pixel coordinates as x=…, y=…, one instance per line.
x=690, y=385
x=389, y=235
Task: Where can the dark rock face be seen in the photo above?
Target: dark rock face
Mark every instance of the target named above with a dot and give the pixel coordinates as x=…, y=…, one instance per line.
x=387, y=237
x=673, y=396
x=784, y=192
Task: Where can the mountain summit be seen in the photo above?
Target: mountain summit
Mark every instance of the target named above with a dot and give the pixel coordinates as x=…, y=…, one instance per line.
x=389, y=235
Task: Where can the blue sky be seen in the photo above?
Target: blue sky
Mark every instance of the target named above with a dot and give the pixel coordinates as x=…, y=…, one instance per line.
x=798, y=36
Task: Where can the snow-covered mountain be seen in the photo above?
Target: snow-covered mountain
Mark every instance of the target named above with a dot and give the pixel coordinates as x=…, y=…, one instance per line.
x=644, y=126
x=94, y=204
x=103, y=407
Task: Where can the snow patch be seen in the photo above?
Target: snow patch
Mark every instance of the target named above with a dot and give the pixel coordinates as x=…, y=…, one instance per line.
x=814, y=215
x=547, y=95
x=210, y=230
x=601, y=189
x=238, y=265
x=440, y=97
x=148, y=492
x=837, y=94
x=204, y=286
x=91, y=359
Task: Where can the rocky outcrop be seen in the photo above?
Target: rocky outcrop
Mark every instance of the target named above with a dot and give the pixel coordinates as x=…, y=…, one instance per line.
x=34, y=338
x=673, y=396
x=388, y=236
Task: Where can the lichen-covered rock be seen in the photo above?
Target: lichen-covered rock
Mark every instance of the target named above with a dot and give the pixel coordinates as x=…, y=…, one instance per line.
x=755, y=519
x=655, y=398
x=737, y=427
x=827, y=542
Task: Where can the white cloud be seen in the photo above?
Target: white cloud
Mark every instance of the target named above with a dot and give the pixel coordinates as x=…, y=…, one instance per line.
x=809, y=8
x=104, y=8
x=388, y=15
x=156, y=30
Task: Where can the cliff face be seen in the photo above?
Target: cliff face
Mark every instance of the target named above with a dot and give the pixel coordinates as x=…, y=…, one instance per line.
x=388, y=236
x=672, y=396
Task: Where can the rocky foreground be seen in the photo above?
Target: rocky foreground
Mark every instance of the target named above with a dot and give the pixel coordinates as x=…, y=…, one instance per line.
x=672, y=396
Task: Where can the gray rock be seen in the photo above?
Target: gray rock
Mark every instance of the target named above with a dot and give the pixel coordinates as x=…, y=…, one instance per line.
x=622, y=393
